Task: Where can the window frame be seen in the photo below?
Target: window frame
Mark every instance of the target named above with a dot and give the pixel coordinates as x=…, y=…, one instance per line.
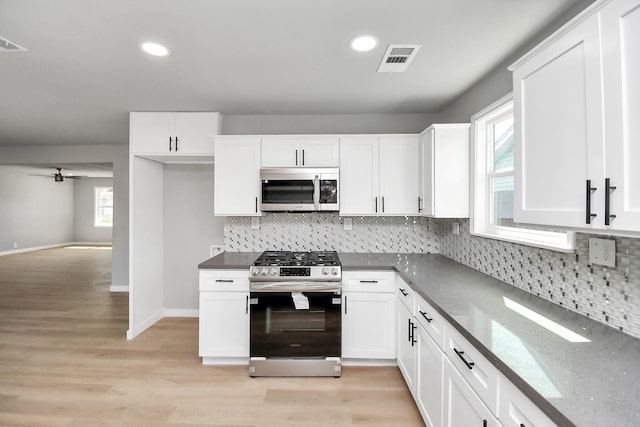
x=481, y=197
x=96, y=206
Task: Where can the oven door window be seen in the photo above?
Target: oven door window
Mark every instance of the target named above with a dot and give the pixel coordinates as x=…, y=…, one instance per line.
x=287, y=191
x=278, y=329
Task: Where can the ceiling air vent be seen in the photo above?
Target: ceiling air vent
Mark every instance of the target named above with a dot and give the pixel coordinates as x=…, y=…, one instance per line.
x=398, y=57
x=7, y=46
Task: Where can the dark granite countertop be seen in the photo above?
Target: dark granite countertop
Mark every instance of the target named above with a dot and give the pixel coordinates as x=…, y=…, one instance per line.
x=595, y=383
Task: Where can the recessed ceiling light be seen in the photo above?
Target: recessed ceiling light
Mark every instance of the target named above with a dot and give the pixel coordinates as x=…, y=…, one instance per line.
x=154, y=49
x=363, y=43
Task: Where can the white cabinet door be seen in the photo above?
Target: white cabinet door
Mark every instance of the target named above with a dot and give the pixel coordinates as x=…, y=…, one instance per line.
x=399, y=175
x=320, y=151
x=194, y=132
x=620, y=22
x=237, y=176
x=299, y=151
x=430, y=376
x=558, y=130
x=173, y=133
x=368, y=330
x=224, y=324
x=359, y=175
x=406, y=347
x=462, y=407
x=516, y=410
x=444, y=171
x=149, y=132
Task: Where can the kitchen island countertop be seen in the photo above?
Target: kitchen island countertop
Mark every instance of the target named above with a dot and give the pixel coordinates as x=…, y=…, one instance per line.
x=595, y=383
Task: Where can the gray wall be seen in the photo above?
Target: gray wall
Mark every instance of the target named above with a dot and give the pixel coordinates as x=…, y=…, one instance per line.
x=116, y=154
x=325, y=123
x=35, y=211
x=189, y=230
x=84, y=200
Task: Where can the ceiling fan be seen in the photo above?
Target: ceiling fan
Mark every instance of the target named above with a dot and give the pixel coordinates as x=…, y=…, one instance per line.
x=58, y=177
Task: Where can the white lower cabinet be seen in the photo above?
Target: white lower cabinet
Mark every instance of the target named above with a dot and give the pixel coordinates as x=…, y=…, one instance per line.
x=462, y=406
x=428, y=393
x=516, y=410
x=224, y=317
x=367, y=325
x=407, y=350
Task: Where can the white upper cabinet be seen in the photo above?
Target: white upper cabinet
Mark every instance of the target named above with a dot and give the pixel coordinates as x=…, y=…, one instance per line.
x=379, y=175
x=299, y=151
x=237, y=176
x=620, y=21
x=444, y=171
x=570, y=141
x=173, y=133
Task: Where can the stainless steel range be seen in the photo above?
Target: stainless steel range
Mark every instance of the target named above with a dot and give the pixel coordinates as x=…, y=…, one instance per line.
x=295, y=314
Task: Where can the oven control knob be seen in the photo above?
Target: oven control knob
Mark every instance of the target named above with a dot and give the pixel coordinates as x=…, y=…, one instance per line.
x=334, y=271
x=274, y=272
x=325, y=271
x=264, y=271
x=254, y=271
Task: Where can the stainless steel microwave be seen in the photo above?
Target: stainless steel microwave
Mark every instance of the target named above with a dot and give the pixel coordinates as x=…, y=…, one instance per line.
x=299, y=189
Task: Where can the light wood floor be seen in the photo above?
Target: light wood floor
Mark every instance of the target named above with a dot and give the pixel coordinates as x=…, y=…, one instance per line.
x=64, y=361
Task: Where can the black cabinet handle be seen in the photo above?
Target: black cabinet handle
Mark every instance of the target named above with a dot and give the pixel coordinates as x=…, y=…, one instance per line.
x=608, y=188
x=522, y=425
x=368, y=281
x=376, y=204
x=224, y=280
x=170, y=139
x=256, y=204
x=246, y=307
x=460, y=354
x=410, y=331
x=424, y=314
x=484, y=423
x=176, y=143
x=382, y=204
x=302, y=157
x=345, y=304
x=296, y=157
x=419, y=204
x=590, y=190
x=403, y=292
x=413, y=333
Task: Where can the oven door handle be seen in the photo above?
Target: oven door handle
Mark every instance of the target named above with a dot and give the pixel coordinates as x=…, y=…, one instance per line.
x=316, y=192
x=296, y=286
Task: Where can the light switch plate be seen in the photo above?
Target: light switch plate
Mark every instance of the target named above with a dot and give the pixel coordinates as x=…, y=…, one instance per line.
x=602, y=251
x=348, y=224
x=255, y=223
x=455, y=228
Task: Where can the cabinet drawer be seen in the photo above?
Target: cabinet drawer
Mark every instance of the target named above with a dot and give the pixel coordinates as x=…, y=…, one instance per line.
x=481, y=375
x=430, y=320
x=224, y=280
x=516, y=410
x=405, y=294
x=368, y=281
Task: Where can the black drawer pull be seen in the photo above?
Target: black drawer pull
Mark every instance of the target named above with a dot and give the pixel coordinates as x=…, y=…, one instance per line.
x=368, y=281
x=224, y=281
x=522, y=425
x=460, y=354
x=424, y=314
x=403, y=292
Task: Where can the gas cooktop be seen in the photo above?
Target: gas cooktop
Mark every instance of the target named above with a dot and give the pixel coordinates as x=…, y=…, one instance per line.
x=304, y=259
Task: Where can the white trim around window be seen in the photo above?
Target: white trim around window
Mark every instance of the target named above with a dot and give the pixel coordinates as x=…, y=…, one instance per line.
x=103, y=210
x=482, y=196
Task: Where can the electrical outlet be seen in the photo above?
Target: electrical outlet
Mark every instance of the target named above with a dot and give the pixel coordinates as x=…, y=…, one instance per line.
x=602, y=252
x=255, y=223
x=348, y=224
x=15, y=245
x=455, y=228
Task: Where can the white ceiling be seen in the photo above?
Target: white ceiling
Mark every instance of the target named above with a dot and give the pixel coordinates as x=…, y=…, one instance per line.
x=84, y=72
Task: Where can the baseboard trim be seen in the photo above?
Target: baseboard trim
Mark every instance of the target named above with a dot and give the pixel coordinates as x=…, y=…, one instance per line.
x=181, y=312
x=144, y=325
x=118, y=288
x=55, y=245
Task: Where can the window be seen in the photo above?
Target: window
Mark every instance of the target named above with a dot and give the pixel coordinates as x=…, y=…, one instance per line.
x=492, y=133
x=103, y=207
